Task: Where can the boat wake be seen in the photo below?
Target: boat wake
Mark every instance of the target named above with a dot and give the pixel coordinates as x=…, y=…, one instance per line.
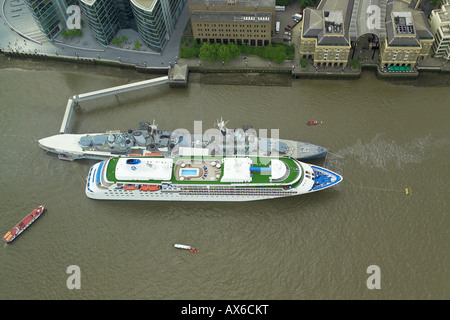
x=384, y=154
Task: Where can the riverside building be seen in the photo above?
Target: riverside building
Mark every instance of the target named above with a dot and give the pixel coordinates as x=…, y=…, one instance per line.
x=49, y=16
x=440, y=26
x=331, y=32
x=102, y=19
x=154, y=20
x=408, y=38
x=236, y=21
x=325, y=34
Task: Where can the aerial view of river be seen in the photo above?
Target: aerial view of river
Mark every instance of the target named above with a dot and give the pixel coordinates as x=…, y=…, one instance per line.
x=384, y=137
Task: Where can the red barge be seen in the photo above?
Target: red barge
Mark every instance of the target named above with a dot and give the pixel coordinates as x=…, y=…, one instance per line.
x=22, y=225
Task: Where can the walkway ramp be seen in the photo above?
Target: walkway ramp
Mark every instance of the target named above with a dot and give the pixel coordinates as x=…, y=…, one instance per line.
x=106, y=92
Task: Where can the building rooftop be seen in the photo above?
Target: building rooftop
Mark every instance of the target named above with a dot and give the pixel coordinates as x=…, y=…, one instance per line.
x=405, y=26
x=232, y=16
x=334, y=22
x=365, y=21
x=329, y=23
x=444, y=14
x=144, y=4
x=89, y=2
x=403, y=23
x=234, y=3
x=444, y=19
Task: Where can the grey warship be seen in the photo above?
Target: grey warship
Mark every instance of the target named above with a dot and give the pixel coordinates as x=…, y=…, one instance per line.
x=148, y=139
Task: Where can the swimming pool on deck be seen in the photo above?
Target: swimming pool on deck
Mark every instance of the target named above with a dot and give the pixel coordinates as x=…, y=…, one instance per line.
x=191, y=172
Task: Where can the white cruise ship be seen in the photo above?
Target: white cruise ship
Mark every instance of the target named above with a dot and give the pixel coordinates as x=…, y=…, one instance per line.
x=205, y=178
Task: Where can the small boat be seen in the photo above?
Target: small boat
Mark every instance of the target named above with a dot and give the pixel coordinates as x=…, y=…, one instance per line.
x=185, y=247
x=22, y=225
x=310, y=123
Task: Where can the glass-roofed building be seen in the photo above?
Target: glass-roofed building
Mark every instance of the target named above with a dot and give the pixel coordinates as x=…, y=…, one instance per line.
x=102, y=19
x=50, y=16
x=155, y=20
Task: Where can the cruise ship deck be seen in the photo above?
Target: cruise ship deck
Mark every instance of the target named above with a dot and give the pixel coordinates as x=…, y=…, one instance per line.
x=204, y=170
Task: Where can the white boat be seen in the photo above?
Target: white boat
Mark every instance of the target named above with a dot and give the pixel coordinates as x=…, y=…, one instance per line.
x=205, y=178
x=185, y=247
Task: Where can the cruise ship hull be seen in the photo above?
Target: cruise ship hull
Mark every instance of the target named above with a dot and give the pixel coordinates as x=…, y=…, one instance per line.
x=236, y=192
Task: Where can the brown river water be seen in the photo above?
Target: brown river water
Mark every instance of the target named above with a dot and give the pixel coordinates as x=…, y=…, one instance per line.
x=384, y=137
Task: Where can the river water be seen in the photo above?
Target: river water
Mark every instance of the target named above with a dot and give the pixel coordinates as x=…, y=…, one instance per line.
x=384, y=136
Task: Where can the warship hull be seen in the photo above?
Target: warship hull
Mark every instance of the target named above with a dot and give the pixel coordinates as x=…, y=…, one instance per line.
x=147, y=139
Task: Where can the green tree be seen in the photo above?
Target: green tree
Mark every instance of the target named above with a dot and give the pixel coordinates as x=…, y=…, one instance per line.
x=223, y=53
x=303, y=63
x=283, y=2
x=234, y=49
x=208, y=52
x=307, y=3
x=186, y=53
x=278, y=54
x=246, y=49
x=355, y=64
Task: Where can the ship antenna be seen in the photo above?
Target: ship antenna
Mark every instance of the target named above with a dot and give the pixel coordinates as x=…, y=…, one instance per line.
x=153, y=127
x=221, y=125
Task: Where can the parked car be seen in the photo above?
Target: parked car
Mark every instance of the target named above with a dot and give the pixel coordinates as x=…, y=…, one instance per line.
x=287, y=34
x=297, y=16
x=288, y=28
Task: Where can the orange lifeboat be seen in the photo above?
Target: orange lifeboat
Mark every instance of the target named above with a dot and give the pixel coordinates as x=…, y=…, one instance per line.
x=129, y=187
x=149, y=187
x=135, y=155
x=153, y=154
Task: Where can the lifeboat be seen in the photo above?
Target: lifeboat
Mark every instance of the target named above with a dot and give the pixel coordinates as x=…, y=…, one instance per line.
x=129, y=187
x=149, y=187
x=153, y=154
x=311, y=123
x=22, y=225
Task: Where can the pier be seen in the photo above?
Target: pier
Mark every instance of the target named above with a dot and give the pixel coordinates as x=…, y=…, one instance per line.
x=73, y=101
